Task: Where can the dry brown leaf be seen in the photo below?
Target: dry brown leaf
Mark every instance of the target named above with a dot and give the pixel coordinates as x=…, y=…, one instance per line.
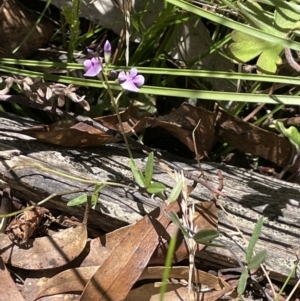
x=8, y=288
x=45, y=252
x=67, y=281
x=174, y=292
x=114, y=279
x=60, y=297
x=206, y=215
x=84, y=135
x=179, y=272
x=76, y=279
x=252, y=139
x=181, y=123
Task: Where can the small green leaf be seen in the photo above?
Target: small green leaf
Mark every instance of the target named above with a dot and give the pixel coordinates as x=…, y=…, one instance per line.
x=98, y=188
x=138, y=176
x=78, y=200
x=149, y=169
x=175, y=191
x=205, y=235
x=257, y=259
x=254, y=238
x=175, y=219
x=95, y=194
x=242, y=282
x=291, y=133
x=156, y=187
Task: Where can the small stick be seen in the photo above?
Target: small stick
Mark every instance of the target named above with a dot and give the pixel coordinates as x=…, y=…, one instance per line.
x=290, y=59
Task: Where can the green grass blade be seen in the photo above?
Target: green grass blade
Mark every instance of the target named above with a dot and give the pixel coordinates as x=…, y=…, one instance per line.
x=234, y=25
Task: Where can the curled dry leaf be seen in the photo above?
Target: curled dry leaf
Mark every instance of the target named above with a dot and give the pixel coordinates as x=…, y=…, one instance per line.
x=8, y=288
x=46, y=252
x=39, y=91
x=24, y=226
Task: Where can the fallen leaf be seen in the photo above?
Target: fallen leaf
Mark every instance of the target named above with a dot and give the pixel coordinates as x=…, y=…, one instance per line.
x=114, y=279
x=8, y=288
x=72, y=134
x=76, y=279
x=174, y=292
x=206, y=215
x=182, y=272
x=70, y=280
x=46, y=252
x=181, y=123
x=249, y=138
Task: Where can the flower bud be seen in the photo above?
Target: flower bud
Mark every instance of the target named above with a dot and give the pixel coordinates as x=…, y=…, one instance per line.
x=107, y=52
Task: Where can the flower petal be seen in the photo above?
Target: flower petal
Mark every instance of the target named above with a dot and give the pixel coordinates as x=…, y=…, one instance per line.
x=123, y=76
x=93, y=70
x=138, y=80
x=87, y=63
x=130, y=86
x=133, y=72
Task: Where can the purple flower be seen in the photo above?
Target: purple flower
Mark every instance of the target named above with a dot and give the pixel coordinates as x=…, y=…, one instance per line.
x=107, y=52
x=93, y=66
x=130, y=80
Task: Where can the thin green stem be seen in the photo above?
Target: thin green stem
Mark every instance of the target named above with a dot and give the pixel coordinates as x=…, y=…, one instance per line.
x=114, y=102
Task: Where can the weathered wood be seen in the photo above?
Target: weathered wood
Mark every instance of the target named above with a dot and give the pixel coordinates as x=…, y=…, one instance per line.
x=248, y=194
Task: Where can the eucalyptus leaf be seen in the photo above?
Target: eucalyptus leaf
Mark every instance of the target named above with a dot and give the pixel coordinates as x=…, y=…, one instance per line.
x=254, y=238
x=242, y=282
x=257, y=259
x=149, y=169
x=82, y=199
x=175, y=191
x=138, y=176
x=156, y=187
x=205, y=235
x=175, y=219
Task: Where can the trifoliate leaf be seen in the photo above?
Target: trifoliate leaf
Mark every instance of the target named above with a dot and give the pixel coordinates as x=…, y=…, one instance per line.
x=254, y=238
x=175, y=191
x=242, y=282
x=82, y=199
x=257, y=259
x=205, y=235
x=156, y=187
x=138, y=175
x=149, y=169
x=245, y=47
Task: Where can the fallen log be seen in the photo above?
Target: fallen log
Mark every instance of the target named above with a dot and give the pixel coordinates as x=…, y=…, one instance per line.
x=248, y=194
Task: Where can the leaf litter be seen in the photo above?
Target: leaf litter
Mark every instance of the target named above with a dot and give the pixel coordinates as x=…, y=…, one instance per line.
x=217, y=125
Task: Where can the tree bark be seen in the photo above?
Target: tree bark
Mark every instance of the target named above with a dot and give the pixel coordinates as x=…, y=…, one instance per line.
x=248, y=195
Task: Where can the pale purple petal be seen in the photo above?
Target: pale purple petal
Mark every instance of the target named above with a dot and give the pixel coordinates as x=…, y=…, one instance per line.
x=133, y=72
x=93, y=66
x=93, y=71
x=107, y=46
x=123, y=76
x=87, y=63
x=130, y=86
x=90, y=51
x=138, y=80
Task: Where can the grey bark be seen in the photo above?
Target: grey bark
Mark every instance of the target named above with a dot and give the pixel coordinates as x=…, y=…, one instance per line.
x=248, y=195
